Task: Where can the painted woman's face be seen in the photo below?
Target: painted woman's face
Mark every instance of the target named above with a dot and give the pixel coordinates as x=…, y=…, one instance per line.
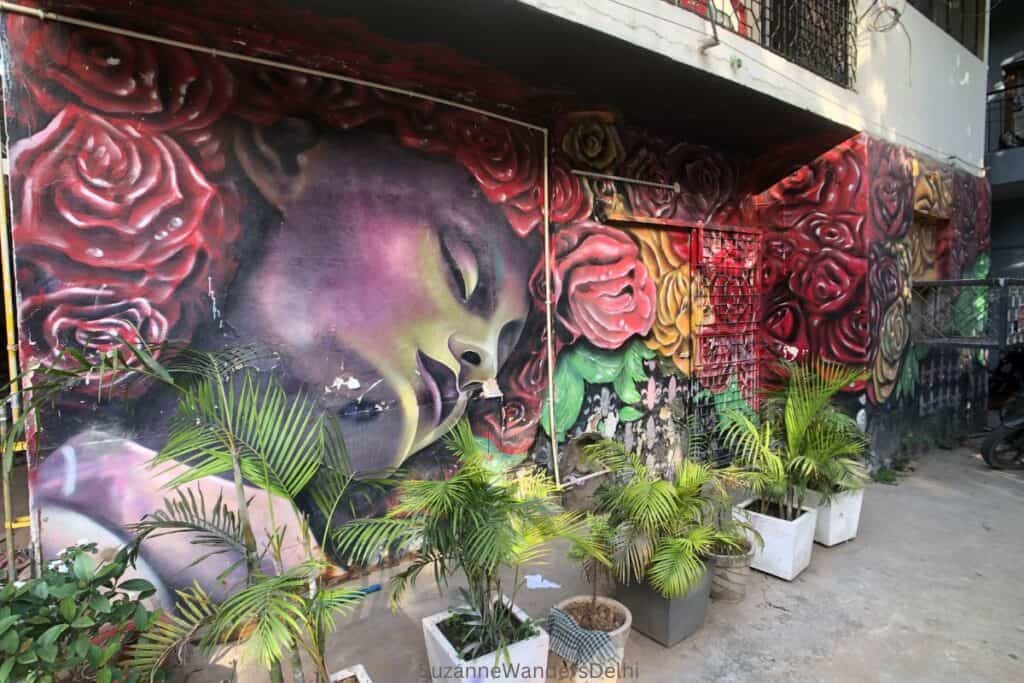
x=392, y=289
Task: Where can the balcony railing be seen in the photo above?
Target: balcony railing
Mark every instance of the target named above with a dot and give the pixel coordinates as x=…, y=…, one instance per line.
x=1005, y=118
x=819, y=35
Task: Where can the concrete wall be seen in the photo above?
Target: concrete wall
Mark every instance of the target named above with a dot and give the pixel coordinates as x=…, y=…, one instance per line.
x=925, y=92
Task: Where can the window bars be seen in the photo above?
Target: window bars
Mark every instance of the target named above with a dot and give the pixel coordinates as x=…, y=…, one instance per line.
x=982, y=314
x=819, y=35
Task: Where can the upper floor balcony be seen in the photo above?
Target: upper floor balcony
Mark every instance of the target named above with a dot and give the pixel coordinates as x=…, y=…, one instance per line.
x=818, y=35
x=1004, y=154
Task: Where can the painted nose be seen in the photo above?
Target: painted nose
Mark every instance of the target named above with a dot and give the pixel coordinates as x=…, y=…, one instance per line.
x=476, y=362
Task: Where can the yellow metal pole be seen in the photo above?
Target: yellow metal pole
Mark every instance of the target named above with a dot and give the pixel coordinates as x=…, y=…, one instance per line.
x=12, y=369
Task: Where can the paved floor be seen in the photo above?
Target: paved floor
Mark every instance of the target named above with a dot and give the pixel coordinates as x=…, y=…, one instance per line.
x=931, y=590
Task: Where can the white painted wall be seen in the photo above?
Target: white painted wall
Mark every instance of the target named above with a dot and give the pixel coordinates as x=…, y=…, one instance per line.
x=927, y=93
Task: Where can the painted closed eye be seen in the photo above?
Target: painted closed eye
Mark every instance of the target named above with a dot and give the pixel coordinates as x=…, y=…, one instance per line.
x=462, y=265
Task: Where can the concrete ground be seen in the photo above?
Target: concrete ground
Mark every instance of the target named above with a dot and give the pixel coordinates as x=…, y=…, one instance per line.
x=932, y=589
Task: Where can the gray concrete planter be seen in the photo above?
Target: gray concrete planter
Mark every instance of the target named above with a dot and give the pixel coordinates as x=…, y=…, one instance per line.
x=666, y=621
x=730, y=575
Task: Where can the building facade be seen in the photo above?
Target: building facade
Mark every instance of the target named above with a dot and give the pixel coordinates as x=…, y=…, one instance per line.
x=622, y=205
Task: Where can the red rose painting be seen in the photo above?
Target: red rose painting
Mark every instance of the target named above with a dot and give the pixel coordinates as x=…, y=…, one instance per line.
x=163, y=88
x=107, y=195
x=891, y=200
x=601, y=288
x=829, y=282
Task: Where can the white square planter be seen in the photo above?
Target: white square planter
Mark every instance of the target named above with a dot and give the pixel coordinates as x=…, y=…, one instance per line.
x=787, y=545
x=356, y=671
x=529, y=658
x=837, y=519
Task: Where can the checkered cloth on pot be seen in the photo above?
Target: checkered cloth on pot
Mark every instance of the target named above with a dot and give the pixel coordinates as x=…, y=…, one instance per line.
x=576, y=644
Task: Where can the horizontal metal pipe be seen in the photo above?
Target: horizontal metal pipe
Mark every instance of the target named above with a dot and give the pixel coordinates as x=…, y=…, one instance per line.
x=634, y=181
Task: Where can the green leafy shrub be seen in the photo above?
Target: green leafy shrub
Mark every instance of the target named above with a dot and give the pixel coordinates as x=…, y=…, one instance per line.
x=802, y=441
x=663, y=529
x=73, y=622
x=474, y=523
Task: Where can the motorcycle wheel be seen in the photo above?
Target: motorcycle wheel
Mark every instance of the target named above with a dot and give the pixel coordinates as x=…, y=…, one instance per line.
x=1004, y=448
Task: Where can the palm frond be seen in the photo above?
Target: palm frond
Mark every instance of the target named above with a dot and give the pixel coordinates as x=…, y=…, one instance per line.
x=677, y=565
x=613, y=456
x=632, y=553
x=328, y=603
x=218, y=527
x=170, y=633
x=335, y=475
x=362, y=540
x=269, y=614
x=281, y=437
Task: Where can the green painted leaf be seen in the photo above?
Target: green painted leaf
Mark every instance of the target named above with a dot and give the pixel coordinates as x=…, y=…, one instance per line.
x=596, y=366
x=630, y=414
x=569, y=391
x=104, y=675
x=641, y=349
x=731, y=399
x=634, y=364
x=625, y=389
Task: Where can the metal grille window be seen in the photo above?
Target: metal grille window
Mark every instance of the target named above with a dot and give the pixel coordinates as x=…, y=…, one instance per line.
x=819, y=35
x=983, y=314
x=964, y=20
x=726, y=312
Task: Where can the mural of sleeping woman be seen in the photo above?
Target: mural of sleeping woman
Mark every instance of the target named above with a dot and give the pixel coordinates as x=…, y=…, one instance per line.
x=380, y=248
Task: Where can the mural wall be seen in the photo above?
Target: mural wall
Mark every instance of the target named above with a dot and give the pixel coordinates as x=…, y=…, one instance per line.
x=387, y=253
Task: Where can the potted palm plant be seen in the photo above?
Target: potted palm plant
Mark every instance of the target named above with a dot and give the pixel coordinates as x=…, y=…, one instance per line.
x=592, y=612
x=829, y=444
x=787, y=450
x=230, y=421
x=663, y=537
x=476, y=523
x=730, y=559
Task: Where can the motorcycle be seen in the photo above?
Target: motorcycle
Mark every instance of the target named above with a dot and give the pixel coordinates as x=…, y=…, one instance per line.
x=1003, y=448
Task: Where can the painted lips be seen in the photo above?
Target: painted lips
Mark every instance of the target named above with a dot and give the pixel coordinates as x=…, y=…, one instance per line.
x=442, y=384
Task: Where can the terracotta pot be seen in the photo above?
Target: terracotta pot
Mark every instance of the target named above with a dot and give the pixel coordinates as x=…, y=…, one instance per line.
x=609, y=671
